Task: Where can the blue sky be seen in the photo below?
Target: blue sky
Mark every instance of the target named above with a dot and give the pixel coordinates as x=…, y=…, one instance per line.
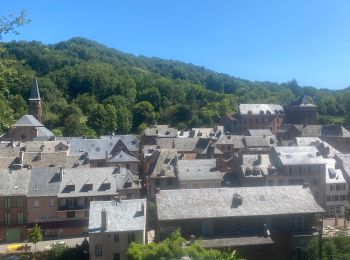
x=270, y=40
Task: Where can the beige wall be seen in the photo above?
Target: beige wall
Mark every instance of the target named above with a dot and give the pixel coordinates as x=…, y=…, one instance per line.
x=44, y=211
x=109, y=247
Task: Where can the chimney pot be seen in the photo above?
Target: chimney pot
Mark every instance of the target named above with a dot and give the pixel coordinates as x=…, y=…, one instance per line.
x=104, y=218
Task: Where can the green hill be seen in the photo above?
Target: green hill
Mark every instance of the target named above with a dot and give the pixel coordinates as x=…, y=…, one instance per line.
x=88, y=88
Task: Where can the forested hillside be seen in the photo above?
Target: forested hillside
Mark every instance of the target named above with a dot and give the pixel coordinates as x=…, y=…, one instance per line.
x=90, y=89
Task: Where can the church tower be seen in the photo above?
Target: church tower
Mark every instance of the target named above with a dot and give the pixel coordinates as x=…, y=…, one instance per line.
x=35, y=108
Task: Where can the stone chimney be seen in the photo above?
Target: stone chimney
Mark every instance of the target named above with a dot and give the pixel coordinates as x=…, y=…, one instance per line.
x=61, y=173
x=104, y=220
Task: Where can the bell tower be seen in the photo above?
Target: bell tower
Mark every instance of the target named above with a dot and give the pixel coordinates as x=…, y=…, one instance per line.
x=35, y=108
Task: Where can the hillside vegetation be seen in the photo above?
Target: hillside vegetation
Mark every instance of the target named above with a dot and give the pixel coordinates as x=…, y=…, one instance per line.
x=90, y=89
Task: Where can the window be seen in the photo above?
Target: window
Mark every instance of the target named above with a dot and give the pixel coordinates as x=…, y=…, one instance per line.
x=332, y=187
x=342, y=197
x=20, y=202
x=299, y=221
x=281, y=182
x=336, y=198
x=260, y=249
x=300, y=170
x=337, y=209
x=36, y=204
x=131, y=237
x=290, y=170
x=309, y=169
x=316, y=195
x=169, y=182
x=42, y=215
x=207, y=227
x=338, y=187
x=127, y=166
x=52, y=203
x=157, y=182
x=7, y=219
x=20, y=218
x=269, y=182
x=7, y=203
x=116, y=237
x=71, y=214
x=116, y=256
x=86, y=213
x=257, y=120
x=329, y=198
x=314, y=182
x=98, y=250
x=23, y=137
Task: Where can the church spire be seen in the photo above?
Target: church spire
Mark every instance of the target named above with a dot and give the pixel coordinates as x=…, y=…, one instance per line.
x=35, y=94
x=35, y=107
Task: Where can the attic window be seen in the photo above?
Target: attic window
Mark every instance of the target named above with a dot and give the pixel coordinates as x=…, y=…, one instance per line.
x=127, y=184
x=105, y=185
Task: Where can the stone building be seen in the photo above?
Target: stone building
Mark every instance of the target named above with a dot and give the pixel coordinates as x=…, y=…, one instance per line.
x=302, y=111
x=113, y=225
x=260, y=116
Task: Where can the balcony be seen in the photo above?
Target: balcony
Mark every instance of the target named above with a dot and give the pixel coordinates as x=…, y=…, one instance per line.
x=73, y=207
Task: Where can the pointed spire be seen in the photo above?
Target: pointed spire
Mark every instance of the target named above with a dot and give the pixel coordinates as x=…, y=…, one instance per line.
x=35, y=94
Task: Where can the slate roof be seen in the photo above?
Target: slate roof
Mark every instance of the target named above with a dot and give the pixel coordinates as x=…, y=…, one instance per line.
x=195, y=144
x=28, y=120
x=256, y=108
x=303, y=100
x=122, y=157
x=235, y=140
x=44, y=182
x=344, y=161
x=43, y=146
x=333, y=175
x=122, y=216
x=34, y=93
x=296, y=155
x=218, y=202
x=256, y=141
x=165, y=164
x=260, y=132
x=161, y=131
x=97, y=176
x=225, y=242
x=198, y=170
x=44, y=132
x=14, y=183
x=97, y=148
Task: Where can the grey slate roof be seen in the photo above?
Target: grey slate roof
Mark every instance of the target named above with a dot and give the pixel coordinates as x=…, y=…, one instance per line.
x=198, y=170
x=195, y=144
x=162, y=131
x=98, y=176
x=224, y=242
x=256, y=141
x=44, y=182
x=217, y=203
x=44, y=132
x=13, y=183
x=256, y=109
x=260, y=132
x=28, y=120
x=97, y=148
x=164, y=164
x=34, y=93
x=298, y=155
x=123, y=216
x=122, y=157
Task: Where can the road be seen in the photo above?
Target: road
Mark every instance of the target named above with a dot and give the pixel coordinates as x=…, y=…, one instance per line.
x=41, y=245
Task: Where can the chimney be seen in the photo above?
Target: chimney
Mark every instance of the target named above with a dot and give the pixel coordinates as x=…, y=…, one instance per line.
x=143, y=208
x=61, y=173
x=104, y=219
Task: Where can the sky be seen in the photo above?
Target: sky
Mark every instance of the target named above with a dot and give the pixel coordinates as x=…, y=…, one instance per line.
x=270, y=40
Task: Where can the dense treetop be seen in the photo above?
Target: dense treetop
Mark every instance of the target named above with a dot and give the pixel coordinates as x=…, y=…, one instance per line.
x=90, y=89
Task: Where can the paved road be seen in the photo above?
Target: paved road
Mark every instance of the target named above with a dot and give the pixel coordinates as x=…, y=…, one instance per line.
x=41, y=245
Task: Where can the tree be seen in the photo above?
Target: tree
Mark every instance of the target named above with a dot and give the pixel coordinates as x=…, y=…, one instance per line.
x=143, y=113
x=35, y=235
x=174, y=247
x=9, y=23
x=102, y=119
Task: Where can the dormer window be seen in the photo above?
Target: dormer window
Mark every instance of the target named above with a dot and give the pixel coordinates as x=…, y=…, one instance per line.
x=105, y=185
x=35, y=188
x=88, y=186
